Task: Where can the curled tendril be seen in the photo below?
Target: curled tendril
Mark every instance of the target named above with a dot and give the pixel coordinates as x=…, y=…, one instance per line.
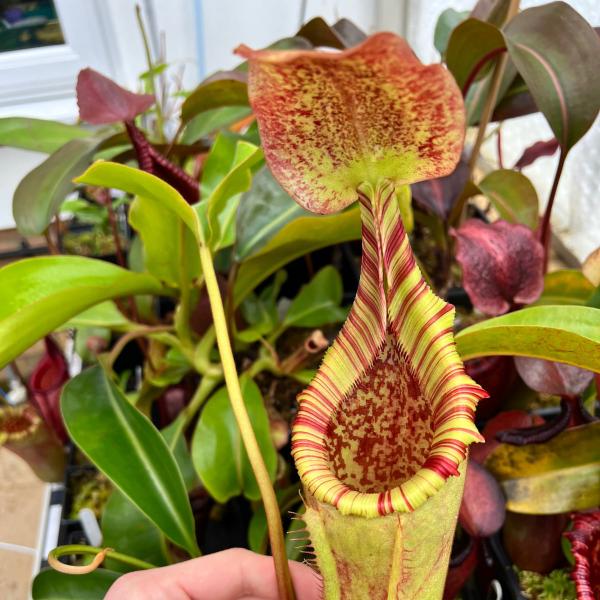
x=99, y=555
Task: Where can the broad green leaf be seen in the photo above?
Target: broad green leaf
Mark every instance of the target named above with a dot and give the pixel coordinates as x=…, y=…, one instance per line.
x=222, y=202
x=218, y=451
x=208, y=122
x=470, y=42
x=106, y=314
x=130, y=451
x=566, y=287
x=52, y=585
x=39, y=135
x=222, y=89
x=297, y=238
x=446, y=22
x=561, y=475
x=40, y=294
x=492, y=11
x=218, y=162
x=169, y=247
x=512, y=195
x=568, y=334
x=556, y=52
x=318, y=302
x=263, y=211
x=41, y=192
x=140, y=183
x=130, y=531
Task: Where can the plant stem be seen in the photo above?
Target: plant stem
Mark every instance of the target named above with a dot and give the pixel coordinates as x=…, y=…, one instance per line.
x=52, y=247
x=545, y=228
x=132, y=335
x=284, y=582
x=150, y=64
x=54, y=555
x=499, y=147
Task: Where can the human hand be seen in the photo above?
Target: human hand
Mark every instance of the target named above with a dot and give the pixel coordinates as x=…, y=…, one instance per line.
x=234, y=574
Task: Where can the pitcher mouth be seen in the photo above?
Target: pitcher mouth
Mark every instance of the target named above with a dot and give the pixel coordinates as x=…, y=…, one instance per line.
x=390, y=414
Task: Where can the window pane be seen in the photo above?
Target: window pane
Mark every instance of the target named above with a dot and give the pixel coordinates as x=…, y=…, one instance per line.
x=28, y=24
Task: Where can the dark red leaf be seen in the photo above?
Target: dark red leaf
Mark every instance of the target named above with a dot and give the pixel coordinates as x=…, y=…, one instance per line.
x=585, y=545
x=45, y=386
x=438, y=196
x=502, y=264
x=483, y=509
x=152, y=161
x=102, y=101
x=533, y=542
x=537, y=150
x=510, y=419
x=496, y=375
x=460, y=571
x=550, y=377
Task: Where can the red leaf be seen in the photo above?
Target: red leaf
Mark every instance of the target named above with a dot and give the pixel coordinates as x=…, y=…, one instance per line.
x=502, y=264
x=510, y=419
x=585, y=544
x=496, y=375
x=482, y=511
x=438, y=196
x=45, y=386
x=550, y=377
x=102, y=101
x=537, y=150
x=533, y=541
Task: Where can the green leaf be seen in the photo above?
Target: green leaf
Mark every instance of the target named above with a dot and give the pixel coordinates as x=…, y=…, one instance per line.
x=39, y=135
x=297, y=238
x=446, y=22
x=169, y=247
x=260, y=310
x=218, y=452
x=209, y=121
x=566, y=287
x=126, y=528
x=130, y=451
x=512, y=195
x=556, y=52
x=106, y=314
x=558, y=476
x=52, y=585
x=221, y=207
x=318, y=302
x=568, y=334
x=140, y=183
x=227, y=88
x=263, y=211
x=41, y=192
x=469, y=43
x=40, y=294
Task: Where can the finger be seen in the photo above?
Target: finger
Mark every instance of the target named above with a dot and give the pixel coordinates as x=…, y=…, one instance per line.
x=229, y=575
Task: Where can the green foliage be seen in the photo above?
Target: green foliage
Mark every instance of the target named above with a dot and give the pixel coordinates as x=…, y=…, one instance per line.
x=107, y=428
x=41, y=192
x=444, y=26
x=568, y=334
x=39, y=135
x=512, y=194
x=46, y=292
x=318, y=302
x=52, y=585
x=217, y=449
x=556, y=53
x=557, y=585
x=566, y=286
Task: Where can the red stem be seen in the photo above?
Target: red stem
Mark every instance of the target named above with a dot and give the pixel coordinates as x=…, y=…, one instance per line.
x=478, y=66
x=545, y=227
x=499, y=147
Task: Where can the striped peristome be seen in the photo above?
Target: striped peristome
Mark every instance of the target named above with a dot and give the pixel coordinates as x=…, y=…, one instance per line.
x=393, y=306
